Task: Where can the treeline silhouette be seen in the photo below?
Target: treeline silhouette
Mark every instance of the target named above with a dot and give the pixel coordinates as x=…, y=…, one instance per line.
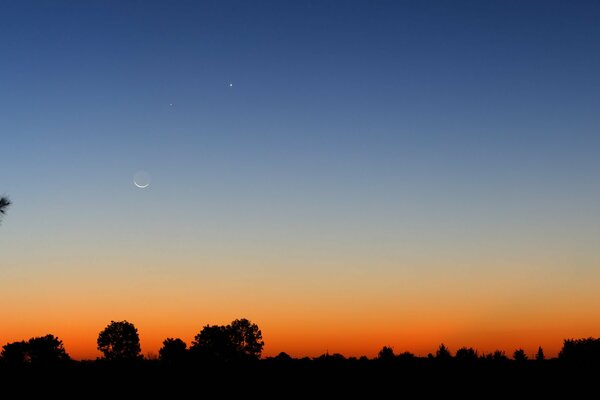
x=233, y=353
x=241, y=341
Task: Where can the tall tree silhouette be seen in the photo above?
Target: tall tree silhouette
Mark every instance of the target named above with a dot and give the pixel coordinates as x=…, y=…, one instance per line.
x=246, y=338
x=539, y=356
x=119, y=341
x=443, y=353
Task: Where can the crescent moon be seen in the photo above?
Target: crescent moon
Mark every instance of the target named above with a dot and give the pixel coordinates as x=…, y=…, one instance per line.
x=141, y=186
x=141, y=179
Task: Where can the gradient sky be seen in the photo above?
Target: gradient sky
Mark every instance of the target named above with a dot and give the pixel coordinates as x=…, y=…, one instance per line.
x=346, y=174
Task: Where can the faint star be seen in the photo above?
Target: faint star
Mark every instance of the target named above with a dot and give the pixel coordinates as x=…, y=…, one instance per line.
x=231, y=84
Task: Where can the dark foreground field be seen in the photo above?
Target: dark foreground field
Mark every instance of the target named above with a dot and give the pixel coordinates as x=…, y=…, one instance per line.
x=324, y=377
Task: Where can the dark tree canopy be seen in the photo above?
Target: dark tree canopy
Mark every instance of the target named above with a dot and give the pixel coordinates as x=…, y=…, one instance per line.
x=15, y=353
x=119, y=341
x=173, y=350
x=386, y=353
x=246, y=338
x=443, y=353
x=38, y=351
x=406, y=356
x=213, y=342
x=519, y=355
x=466, y=354
x=584, y=351
x=239, y=340
x=499, y=355
x=47, y=350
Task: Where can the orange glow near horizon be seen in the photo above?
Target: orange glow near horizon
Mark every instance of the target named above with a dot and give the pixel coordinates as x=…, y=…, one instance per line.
x=306, y=339
x=310, y=318
x=348, y=305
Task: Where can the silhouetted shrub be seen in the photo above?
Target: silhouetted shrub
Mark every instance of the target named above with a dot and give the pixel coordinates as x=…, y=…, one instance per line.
x=173, y=351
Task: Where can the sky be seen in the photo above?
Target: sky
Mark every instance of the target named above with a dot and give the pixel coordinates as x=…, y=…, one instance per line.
x=345, y=174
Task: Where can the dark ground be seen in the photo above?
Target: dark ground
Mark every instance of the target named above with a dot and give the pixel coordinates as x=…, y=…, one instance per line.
x=306, y=378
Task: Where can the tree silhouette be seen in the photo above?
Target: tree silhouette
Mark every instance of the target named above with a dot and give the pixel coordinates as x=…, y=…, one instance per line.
x=246, y=338
x=15, y=353
x=239, y=340
x=386, y=354
x=173, y=350
x=583, y=351
x=406, y=356
x=499, y=355
x=539, y=356
x=283, y=357
x=38, y=351
x=466, y=354
x=119, y=341
x=213, y=342
x=443, y=353
x=46, y=350
x=520, y=356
